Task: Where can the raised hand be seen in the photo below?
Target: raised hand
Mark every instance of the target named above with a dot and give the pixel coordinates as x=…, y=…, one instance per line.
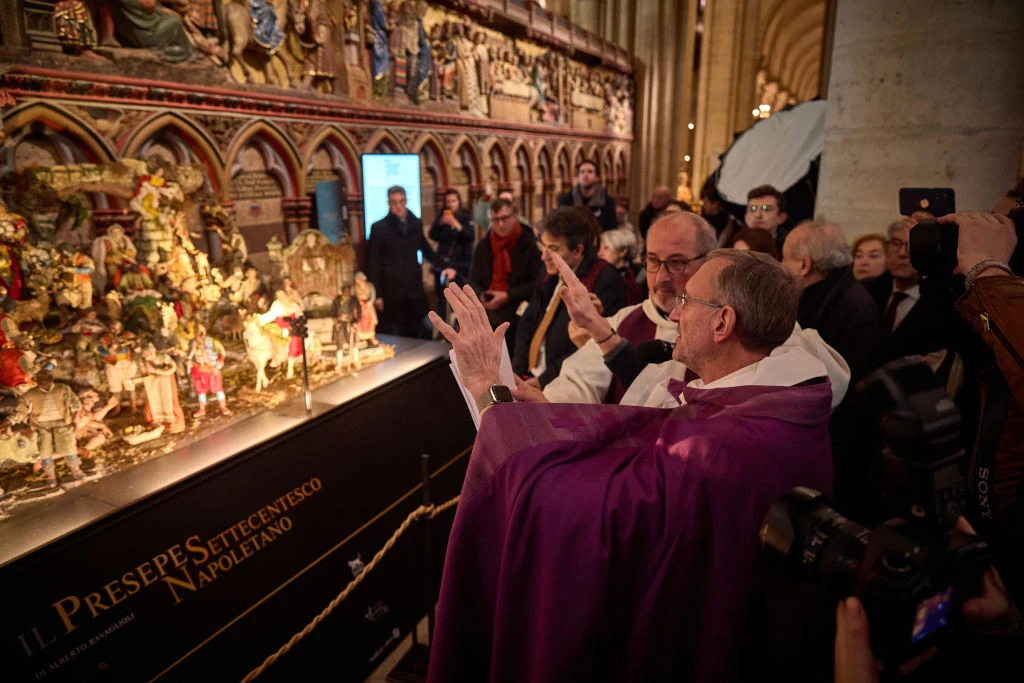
x=477, y=346
x=578, y=301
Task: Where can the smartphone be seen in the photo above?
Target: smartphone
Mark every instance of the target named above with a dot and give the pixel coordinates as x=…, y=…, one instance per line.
x=938, y=201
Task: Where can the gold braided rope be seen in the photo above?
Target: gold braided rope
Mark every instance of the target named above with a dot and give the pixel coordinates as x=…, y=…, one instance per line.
x=430, y=511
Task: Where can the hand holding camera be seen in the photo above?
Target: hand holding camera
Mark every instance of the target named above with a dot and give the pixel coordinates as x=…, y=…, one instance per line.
x=983, y=237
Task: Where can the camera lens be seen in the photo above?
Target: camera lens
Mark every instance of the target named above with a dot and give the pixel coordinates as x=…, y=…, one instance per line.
x=805, y=538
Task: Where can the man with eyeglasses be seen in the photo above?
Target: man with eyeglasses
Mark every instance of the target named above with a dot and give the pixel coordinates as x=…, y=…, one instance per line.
x=676, y=247
x=766, y=210
x=542, y=337
x=506, y=267
x=628, y=360
x=917, y=317
x=619, y=543
x=395, y=271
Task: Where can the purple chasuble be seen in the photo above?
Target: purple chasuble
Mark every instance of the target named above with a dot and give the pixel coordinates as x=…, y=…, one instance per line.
x=614, y=543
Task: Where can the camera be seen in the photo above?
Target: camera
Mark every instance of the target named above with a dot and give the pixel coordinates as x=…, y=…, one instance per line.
x=914, y=571
x=933, y=244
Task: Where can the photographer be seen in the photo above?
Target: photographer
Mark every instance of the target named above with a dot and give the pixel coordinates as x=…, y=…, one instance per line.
x=992, y=306
x=991, y=612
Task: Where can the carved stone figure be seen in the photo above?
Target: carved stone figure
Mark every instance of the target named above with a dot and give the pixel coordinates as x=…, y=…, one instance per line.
x=351, y=23
x=74, y=26
x=315, y=28
x=255, y=26
x=377, y=40
x=144, y=24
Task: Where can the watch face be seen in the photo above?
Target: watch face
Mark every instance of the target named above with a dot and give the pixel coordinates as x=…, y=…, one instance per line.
x=501, y=394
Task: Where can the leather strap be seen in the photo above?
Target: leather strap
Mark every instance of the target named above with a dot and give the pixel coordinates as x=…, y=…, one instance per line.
x=542, y=328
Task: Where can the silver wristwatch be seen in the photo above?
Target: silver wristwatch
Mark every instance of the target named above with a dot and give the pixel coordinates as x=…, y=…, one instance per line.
x=498, y=393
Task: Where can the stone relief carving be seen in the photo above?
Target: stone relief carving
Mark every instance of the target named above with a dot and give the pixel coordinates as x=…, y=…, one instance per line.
x=397, y=51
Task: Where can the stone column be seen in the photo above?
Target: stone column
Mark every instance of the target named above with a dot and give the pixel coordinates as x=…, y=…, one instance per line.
x=296, y=212
x=664, y=40
x=921, y=94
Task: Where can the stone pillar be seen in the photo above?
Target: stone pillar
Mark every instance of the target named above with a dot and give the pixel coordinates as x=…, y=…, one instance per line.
x=527, y=188
x=585, y=15
x=296, y=212
x=664, y=40
x=921, y=95
x=356, y=226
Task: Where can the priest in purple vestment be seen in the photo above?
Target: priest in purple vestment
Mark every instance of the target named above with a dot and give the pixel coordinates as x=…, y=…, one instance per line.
x=616, y=543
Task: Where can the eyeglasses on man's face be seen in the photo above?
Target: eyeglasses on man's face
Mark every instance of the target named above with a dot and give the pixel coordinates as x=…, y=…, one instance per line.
x=682, y=298
x=763, y=208
x=676, y=265
x=896, y=244
x=501, y=219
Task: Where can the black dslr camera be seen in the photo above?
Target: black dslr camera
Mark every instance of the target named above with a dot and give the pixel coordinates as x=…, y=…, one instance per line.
x=914, y=571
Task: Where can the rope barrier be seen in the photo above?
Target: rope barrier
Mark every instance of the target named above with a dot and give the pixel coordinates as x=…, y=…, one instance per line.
x=429, y=511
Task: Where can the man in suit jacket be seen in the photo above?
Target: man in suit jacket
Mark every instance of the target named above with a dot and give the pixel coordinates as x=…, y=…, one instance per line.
x=393, y=268
x=506, y=267
x=917, y=317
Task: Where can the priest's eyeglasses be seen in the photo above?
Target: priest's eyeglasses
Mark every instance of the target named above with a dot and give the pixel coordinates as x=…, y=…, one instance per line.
x=683, y=297
x=676, y=265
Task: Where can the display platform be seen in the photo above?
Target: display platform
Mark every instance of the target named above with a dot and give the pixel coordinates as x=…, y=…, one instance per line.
x=198, y=564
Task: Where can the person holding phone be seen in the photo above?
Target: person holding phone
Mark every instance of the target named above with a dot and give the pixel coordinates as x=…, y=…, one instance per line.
x=453, y=231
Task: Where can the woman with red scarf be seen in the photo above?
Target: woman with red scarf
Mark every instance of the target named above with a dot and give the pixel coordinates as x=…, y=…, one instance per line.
x=506, y=267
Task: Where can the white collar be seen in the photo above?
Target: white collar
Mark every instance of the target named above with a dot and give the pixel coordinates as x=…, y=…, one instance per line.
x=785, y=367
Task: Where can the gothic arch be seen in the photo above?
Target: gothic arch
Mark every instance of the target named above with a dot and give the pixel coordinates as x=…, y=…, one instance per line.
x=496, y=160
x=348, y=158
x=93, y=146
x=289, y=172
x=383, y=142
x=197, y=141
x=433, y=159
x=607, y=167
x=521, y=160
x=577, y=158
x=563, y=167
x=465, y=156
x=591, y=155
x=545, y=168
x=70, y=138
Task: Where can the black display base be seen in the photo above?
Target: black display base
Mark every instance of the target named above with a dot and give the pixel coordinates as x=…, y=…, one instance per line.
x=412, y=668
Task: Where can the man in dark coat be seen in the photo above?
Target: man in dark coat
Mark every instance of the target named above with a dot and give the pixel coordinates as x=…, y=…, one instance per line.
x=393, y=268
x=661, y=199
x=842, y=311
x=542, y=338
x=506, y=267
x=833, y=302
x=590, y=193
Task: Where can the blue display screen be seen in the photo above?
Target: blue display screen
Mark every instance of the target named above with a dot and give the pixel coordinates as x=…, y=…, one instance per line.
x=381, y=171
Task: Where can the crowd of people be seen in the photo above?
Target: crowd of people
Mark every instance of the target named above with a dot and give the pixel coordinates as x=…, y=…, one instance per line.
x=621, y=543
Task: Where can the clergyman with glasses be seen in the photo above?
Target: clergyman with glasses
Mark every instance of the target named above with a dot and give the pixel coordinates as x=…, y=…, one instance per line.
x=633, y=363
x=506, y=267
x=642, y=513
